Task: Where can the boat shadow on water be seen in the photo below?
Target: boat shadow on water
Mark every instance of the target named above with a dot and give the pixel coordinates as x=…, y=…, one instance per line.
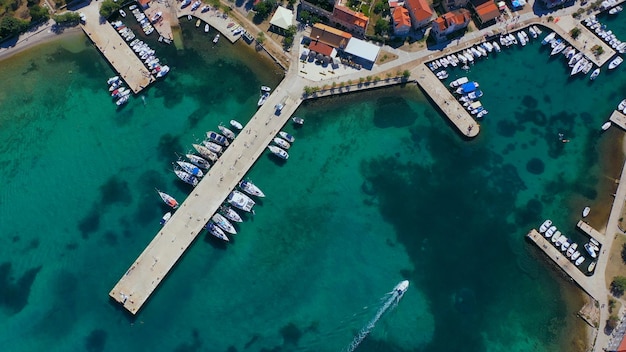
x=276, y=160
x=216, y=242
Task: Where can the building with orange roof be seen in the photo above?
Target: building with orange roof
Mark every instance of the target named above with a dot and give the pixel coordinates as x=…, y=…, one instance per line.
x=450, y=22
x=401, y=21
x=486, y=10
x=420, y=12
x=354, y=21
x=330, y=36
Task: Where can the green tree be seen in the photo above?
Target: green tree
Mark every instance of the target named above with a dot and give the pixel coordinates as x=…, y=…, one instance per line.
x=10, y=25
x=38, y=13
x=264, y=8
x=611, y=323
x=618, y=285
x=406, y=74
x=575, y=32
x=68, y=17
x=260, y=38
x=381, y=26
x=381, y=6
x=108, y=7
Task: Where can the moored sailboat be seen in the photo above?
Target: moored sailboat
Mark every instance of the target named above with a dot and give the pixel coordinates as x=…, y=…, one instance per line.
x=187, y=178
x=251, y=189
x=198, y=161
x=167, y=199
x=216, y=231
x=190, y=168
x=205, y=152
x=231, y=214
x=223, y=223
x=278, y=152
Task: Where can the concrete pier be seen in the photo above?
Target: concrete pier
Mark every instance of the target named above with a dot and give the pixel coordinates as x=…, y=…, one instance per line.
x=586, y=228
x=113, y=47
x=585, y=40
x=619, y=119
x=214, y=18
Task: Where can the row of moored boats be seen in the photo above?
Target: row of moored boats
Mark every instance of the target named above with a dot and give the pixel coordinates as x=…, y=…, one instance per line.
x=468, y=94
x=569, y=247
x=118, y=90
x=143, y=51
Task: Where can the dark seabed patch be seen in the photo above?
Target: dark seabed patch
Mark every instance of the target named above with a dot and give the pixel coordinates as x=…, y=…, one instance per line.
x=15, y=293
x=393, y=112
x=89, y=224
x=96, y=341
x=115, y=191
x=167, y=144
x=535, y=166
x=191, y=346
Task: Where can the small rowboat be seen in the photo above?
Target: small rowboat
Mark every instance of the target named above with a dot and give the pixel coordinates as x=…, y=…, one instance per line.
x=298, y=120
x=165, y=218
x=586, y=212
x=606, y=126
x=236, y=124
x=286, y=136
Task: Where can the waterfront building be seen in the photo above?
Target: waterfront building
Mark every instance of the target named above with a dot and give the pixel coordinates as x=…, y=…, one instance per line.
x=401, y=21
x=420, y=12
x=281, y=20
x=362, y=52
x=353, y=21
x=330, y=36
x=450, y=22
x=486, y=11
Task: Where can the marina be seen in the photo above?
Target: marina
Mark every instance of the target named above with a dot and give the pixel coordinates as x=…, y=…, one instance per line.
x=619, y=119
x=214, y=19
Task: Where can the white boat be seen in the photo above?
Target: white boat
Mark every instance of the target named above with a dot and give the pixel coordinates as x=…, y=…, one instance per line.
x=231, y=214
x=112, y=80
x=586, y=211
x=214, y=147
x=521, y=38
x=217, y=138
x=557, y=49
x=187, y=178
x=162, y=71
x=595, y=243
x=236, y=124
x=578, y=67
x=240, y=201
x=198, y=161
x=591, y=266
x=571, y=250
x=590, y=250
x=575, y=59
x=575, y=256
x=557, y=233
x=482, y=50
x=190, y=168
x=615, y=10
x=263, y=99
x=251, y=189
x=206, y=28
x=588, y=67
x=205, y=152
x=132, y=7
x=615, y=62
x=401, y=288
x=459, y=81
x=167, y=199
x=282, y=143
x=560, y=241
x=216, y=39
x=566, y=243
x=537, y=30
x=532, y=32
x=496, y=47
x=278, y=152
x=551, y=230
x=482, y=113
x=555, y=237
x=223, y=223
x=266, y=89
x=216, y=231
x=548, y=39
x=442, y=74
x=488, y=46
x=121, y=101
x=297, y=120
x=621, y=105
x=286, y=136
x=594, y=74
x=226, y=132
x=545, y=226
x=122, y=13
x=196, y=5
x=579, y=261
x=165, y=218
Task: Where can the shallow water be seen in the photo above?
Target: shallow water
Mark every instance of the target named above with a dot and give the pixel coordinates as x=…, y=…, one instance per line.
x=378, y=188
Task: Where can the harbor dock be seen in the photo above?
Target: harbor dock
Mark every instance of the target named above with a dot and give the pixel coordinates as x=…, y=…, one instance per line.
x=619, y=119
x=593, y=233
x=585, y=41
x=585, y=282
x=117, y=52
x=215, y=20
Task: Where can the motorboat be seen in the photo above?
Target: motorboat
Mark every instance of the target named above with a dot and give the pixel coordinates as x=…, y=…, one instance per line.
x=226, y=132
x=496, y=46
x=187, y=178
x=162, y=71
x=537, y=30
x=575, y=256
x=278, y=152
x=214, y=147
x=236, y=124
x=122, y=13
x=223, y=223
x=402, y=287
x=240, y=201
x=532, y=32
x=263, y=99
x=297, y=120
x=571, y=250
x=588, y=67
x=206, y=28
x=216, y=231
x=579, y=66
x=467, y=87
x=521, y=38
x=216, y=38
x=266, y=89
x=198, y=161
x=167, y=199
x=575, y=59
x=615, y=10
x=591, y=266
x=615, y=62
x=557, y=49
x=566, y=243
x=165, y=218
x=459, y=81
x=190, y=168
x=251, y=189
x=557, y=233
x=281, y=143
x=482, y=113
x=442, y=74
x=112, y=80
x=555, y=237
x=205, y=152
x=559, y=242
x=114, y=85
x=286, y=136
x=595, y=243
x=545, y=226
x=621, y=105
x=606, y=125
x=594, y=74
x=586, y=211
x=217, y=138
x=579, y=261
x=590, y=250
x=121, y=101
x=231, y=214
x=488, y=46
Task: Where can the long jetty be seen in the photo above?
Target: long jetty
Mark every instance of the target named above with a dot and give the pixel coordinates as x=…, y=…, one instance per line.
x=590, y=231
x=149, y=269
x=113, y=47
x=619, y=119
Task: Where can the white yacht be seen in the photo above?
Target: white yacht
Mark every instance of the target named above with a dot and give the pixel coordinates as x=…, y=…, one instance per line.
x=231, y=214
x=591, y=250
x=401, y=288
x=575, y=255
x=594, y=74
x=251, y=189
x=226, y=132
x=586, y=211
x=615, y=62
x=579, y=261
x=459, y=81
x=278, y=152
x=548, y=39
x=555, y=238
x=591, y=266
x=216, y=231
x=606, y=125
x=566, y=243
x=240, y=201
x=223, y=223
x=572, y=248
x=281, y=143
x=286, y=136
x=551, y=230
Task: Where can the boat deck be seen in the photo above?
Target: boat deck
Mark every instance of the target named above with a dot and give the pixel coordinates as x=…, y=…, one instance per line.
x=113, y=47
x=618, y=119
x=451, y=107
x=584, y=42
x=214, y=18
x=585, y=282
x=158, y=258
x=586, y=228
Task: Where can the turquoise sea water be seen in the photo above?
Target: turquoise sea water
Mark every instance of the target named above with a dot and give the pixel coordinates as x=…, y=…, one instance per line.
x=378, y=188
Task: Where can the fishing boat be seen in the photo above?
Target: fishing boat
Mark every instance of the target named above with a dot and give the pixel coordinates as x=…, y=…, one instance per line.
x=266, y=89
x=594, y=74
x=551, y=230
x=167, y=199
x=190, y=168
x=121, y=101
x=566, y=243
x=298, y=120
x=165, y=218
x=278, y=152
x=231, y=214
x=236, y=124
x=615, y=62
x=571, y=250
x=545, y=226
x=206, y=28
x=555, y=237
x=579, y=261
x=586, y=212
x=226, y=132
x=459, y=81
x=575, y=256
x=263, y=99
x=187, y=178
x=282, y=143
x=251, y=189
x=548, y=39
x=216, y=231
x=286, y=136
x=591, y=250
x=198, y=161
x=223, y=223
x=591, y=266
x=112, y=80
x=216, y=38
x=214, y=147
x=198, y=23
x=240, y=201
x=205, y=152
x=217, y=138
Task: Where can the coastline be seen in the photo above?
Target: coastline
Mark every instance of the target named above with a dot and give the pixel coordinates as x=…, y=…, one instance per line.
x=36, y=36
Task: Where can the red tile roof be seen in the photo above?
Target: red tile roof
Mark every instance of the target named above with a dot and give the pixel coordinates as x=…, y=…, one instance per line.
x=487, y=11
x=321, y=48
x=344, y=14
x=420, y=8
x=401, y=17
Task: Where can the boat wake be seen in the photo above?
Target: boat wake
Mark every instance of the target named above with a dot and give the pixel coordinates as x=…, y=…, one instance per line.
x=391, y=301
